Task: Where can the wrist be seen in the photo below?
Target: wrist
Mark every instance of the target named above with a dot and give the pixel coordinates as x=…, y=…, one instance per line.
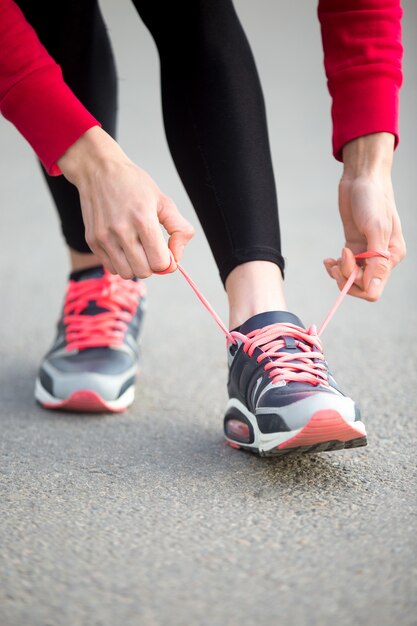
x=91, y=151
x=368, y=155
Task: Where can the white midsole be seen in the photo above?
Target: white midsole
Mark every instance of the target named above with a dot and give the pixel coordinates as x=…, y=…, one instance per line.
x=125, y=399
x=267, y=441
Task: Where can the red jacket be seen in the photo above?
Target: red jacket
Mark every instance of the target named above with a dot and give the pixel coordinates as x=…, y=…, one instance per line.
x=362, y=57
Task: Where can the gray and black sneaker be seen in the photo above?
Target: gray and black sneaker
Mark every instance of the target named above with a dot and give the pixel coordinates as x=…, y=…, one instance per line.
x=282, y=396
x=93, y=363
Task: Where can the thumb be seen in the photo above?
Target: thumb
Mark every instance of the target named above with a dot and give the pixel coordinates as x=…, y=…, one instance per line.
x=180, y=231
x=377, y=268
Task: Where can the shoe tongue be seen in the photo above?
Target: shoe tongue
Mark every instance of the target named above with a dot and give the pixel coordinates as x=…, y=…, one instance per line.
x=91, y=272
x=270, y=317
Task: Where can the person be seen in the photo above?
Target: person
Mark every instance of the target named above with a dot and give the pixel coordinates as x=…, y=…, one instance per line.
x=282, y=396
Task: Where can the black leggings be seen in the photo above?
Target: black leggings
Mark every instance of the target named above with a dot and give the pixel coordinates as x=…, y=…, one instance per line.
x=213, y=108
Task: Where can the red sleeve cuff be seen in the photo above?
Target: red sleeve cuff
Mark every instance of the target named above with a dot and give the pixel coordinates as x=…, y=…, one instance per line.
x=47, y=114
x=364, y=106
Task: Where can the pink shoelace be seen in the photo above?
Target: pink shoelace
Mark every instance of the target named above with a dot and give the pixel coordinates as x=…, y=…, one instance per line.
x=120, y=299
x=308, y=364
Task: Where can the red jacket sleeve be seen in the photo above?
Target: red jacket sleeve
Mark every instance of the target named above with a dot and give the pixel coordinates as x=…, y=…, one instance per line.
x=363, y=62
x=33, y=94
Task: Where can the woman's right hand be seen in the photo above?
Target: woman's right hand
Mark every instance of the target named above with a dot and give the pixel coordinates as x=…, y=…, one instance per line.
x=123, y=208
x=369, y=216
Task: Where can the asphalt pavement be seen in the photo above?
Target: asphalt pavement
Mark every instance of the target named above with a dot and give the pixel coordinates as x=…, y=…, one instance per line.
x=149, y=518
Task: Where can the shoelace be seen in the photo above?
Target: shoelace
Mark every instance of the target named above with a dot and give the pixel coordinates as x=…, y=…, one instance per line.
x=120, y=299
x=308, y=363
x=304, y=365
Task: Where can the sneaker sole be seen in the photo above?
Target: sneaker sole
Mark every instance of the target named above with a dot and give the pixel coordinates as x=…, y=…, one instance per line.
x=326, y=430
x=84, y=401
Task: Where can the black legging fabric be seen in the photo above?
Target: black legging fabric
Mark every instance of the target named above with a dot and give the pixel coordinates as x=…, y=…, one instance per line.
x=213, y=110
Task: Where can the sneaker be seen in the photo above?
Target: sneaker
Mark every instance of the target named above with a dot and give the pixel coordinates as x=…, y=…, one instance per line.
x=93, y=363
x=282, y=397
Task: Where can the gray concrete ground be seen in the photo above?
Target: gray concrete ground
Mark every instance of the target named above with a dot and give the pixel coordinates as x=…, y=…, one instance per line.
x=149, y=518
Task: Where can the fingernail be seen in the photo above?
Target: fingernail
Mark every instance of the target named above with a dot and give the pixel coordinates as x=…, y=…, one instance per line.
x=374, y=287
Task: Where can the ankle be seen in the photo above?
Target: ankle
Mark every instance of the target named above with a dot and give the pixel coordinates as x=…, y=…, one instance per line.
x=82, y=260
x=252, y=288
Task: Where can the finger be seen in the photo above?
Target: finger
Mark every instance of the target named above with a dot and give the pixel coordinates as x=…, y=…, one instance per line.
x=344, y=273
x=154, y=244
x=171, y=267
x=375, y=277
x=376, y=269
x=105, y=260
x=178, y=228
x=137, y=259
x=376, y=274
x=120, y=261
x=356, y=290
x=328, y=264
x=111, y=247
x=102, y=255
x=397, y=246
x=347, y=262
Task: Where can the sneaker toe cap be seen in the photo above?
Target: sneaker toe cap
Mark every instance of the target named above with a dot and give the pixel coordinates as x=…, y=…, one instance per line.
x=278, y=413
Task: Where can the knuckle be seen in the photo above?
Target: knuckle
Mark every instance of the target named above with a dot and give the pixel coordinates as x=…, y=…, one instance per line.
x=140, y=269
x=189, y=231
x=121, y=230
x=126, y=274
x=143, y=222
x=382, y=266
x=143, y=274
x=168, y=203
x=101, y=237
x=90, y=240
x=159, y=266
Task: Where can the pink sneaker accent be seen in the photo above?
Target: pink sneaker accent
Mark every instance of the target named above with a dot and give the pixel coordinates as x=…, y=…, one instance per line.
x=325, y=425
x=84, y=401
x=232, y=444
